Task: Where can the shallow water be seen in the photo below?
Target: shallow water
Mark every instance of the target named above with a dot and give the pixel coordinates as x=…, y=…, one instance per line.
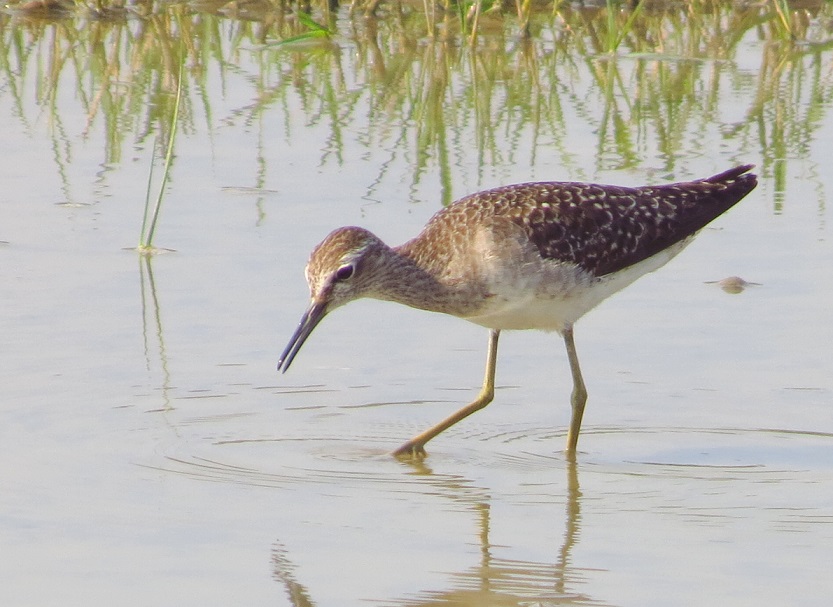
x=150, y=453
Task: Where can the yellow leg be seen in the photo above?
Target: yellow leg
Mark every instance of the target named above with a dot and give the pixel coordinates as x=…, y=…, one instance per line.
x=416, y=446
x=579, y=396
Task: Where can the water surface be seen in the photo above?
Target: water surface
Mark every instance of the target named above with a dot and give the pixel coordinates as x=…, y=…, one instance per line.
x=151, y=454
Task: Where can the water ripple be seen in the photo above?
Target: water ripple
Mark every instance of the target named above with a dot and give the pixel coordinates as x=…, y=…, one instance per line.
x=528, y=459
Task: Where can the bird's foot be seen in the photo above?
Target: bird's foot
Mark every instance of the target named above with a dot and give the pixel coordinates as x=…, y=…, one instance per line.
x=411, y=451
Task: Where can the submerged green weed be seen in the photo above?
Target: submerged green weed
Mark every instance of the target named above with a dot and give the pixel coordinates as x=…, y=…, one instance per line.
x=315, y=31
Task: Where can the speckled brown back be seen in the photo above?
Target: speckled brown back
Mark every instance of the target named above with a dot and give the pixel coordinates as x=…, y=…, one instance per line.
x=600, y=228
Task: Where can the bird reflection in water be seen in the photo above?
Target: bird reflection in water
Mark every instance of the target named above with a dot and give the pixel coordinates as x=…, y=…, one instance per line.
x=494, y=581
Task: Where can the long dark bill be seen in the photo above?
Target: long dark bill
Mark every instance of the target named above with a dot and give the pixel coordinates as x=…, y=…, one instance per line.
x=309, y=321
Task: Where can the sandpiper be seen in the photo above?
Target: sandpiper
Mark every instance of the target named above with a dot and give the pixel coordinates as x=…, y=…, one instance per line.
x=525, y=256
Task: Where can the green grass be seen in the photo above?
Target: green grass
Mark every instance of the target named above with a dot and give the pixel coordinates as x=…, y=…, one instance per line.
x=151, y=214
x=417, y=81
x=617, y=33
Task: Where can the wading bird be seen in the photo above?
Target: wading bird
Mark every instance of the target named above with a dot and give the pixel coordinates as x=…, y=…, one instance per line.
x=526, y=256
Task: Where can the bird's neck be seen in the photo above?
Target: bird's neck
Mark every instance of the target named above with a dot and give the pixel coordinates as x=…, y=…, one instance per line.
x=420, y=282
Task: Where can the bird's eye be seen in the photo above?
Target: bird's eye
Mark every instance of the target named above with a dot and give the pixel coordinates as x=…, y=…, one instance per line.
x=345, y=272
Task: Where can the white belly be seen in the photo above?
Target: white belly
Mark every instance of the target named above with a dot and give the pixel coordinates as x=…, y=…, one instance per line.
x=553, y=296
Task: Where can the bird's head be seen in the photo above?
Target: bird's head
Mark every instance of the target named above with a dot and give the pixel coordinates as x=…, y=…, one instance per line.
x=340, y=269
